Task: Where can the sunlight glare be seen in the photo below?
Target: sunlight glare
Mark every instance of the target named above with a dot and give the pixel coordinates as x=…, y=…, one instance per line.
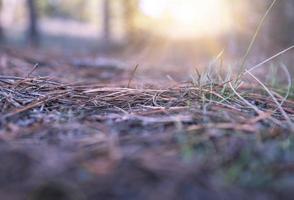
x=189, y=17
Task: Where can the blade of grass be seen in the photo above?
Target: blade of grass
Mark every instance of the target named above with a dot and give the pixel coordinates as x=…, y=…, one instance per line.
x=269, y=59
x=242, y=68
x=289, y=84
x=285, y=115
x=258, y=111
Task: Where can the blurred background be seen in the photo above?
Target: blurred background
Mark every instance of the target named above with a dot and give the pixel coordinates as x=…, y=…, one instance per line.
x=150, y=32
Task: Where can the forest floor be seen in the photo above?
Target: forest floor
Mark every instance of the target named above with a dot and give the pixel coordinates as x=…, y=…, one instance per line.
x=75, y=129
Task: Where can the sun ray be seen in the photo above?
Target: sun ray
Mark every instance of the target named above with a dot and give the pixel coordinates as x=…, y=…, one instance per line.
x=189, y=17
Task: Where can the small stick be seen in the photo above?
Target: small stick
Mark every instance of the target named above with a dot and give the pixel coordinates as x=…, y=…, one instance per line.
x=132, y=75
x=34, y=68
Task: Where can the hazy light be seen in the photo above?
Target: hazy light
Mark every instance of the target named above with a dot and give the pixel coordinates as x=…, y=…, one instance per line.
x=153, y=8
x=188, y=17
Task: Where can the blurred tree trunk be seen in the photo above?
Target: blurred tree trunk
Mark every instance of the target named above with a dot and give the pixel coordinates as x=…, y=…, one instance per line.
x=106, y=10
x=282, y=23
x=131, y=8
x=1, y=28
x=33, y=32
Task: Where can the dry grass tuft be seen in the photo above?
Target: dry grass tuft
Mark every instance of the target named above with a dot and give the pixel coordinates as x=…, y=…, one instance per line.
x=201, y=106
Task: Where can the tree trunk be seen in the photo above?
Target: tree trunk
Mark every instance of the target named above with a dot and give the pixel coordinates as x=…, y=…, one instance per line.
x=130, y=12
x=106, y=22
x=33, y=32
x=282, y=23
x=1, y=28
